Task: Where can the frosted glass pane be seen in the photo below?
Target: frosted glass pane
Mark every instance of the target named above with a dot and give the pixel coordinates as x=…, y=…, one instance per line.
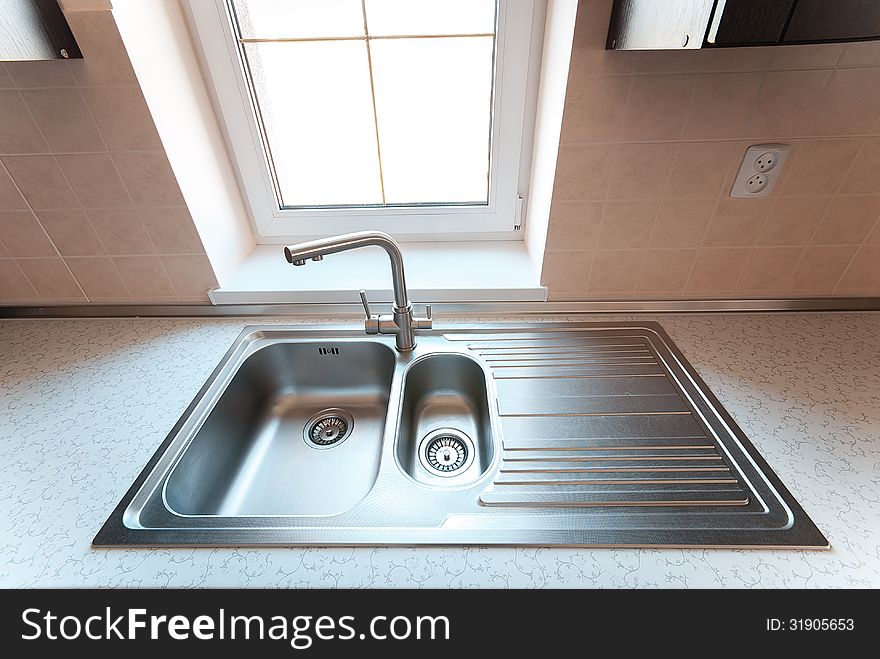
x=315, y=102
x=433, y=102
x=273, y=19
x=414, y=17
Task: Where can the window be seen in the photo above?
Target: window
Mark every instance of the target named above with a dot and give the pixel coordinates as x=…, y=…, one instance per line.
x=408, y=116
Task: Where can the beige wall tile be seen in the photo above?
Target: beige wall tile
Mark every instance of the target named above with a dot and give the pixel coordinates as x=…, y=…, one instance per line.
x=148, y=178
x=121, y=231
x=105, y=60
x=769, y=269
x=717, y=271
x=14, y=286
x=793, y=97
x=171, y=230
x=566, y=274
x=64, y=119
x=848, y=221
x=595, y=110
x=793, y=220
x=657, y=106
x=10, y=197
x=41, y=181
x=722, y=105
x=583, y=172
x=865, y=173
x=682, y=223
x=748, y=247
x=98, y=277
x=737, y=222
x=851, y=104
x=641, y=171
x=22, y=235
x=144, y=277
x=820, y=268
x=700, y=169
x=863, y=274
x=627, y=223
x=866, y=53
x=818, y=166
x=52, y=280
x=574, y=225
x=191, y=275
x=94, y=180
x=34, y=75
x=18, y=132
x=666, y=270
x=5, y=78
x=123, y=118
x=809, y=56
x=720, y=60
x=615, y=271
x=71, y=232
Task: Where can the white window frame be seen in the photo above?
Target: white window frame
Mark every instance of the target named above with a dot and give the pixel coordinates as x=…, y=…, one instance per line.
x=518, y=48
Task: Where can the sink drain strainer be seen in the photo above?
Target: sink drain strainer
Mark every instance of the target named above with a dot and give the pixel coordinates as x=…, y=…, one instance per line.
x=328, y=428
x=446, y=451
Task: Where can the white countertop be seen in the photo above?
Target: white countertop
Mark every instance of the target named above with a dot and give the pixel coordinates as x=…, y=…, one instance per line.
x=85, y=403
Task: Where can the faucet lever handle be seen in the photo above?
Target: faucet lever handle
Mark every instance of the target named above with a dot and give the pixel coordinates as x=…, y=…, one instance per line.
x=428, y=311
x=366, y=304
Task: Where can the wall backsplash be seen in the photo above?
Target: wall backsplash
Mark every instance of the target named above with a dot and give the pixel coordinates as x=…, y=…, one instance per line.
x=650, y=145
x=90, y=210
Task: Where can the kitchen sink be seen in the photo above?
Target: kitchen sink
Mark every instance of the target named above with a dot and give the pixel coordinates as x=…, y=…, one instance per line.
x=574, y=434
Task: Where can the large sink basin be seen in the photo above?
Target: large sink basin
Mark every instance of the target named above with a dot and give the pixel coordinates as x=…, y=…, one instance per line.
x=574, y=434
x=297, y=431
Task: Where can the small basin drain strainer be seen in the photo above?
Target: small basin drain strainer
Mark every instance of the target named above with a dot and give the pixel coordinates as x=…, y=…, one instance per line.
x=446, y=451
x=328, y=428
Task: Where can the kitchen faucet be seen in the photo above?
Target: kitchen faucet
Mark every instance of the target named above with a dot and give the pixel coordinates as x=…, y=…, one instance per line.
x=401, y=322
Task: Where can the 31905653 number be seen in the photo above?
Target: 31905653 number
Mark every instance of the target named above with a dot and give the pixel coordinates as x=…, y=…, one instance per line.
x=821, y=624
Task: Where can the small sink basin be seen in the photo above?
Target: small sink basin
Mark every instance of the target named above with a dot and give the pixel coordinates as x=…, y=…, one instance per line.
x=297, y=431
x=445, y=430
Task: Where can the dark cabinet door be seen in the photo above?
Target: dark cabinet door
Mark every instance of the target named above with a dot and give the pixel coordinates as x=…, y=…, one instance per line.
x=748, y=22
x=34, y=30
x=834, y=20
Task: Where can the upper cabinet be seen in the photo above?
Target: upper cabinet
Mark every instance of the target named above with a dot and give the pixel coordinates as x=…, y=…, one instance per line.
x=35, y=30
x=676, y=24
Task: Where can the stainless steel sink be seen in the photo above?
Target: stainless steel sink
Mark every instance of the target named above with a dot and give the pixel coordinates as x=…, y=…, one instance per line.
x=573, y=434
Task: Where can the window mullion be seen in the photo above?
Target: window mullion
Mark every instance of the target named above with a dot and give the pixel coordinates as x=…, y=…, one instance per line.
x=373, y=93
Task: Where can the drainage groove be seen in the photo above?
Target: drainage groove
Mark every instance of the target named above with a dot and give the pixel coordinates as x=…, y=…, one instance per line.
x=328, y=428
x=446, y=451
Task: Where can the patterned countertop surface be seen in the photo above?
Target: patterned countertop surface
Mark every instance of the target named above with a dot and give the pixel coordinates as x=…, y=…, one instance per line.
x=84, y=403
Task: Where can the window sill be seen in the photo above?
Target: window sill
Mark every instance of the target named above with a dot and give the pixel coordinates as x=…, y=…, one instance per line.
x=490, y=271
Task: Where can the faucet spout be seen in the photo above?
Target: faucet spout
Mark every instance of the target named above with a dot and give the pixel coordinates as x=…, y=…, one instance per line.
x=299, y=253
x=401, y=322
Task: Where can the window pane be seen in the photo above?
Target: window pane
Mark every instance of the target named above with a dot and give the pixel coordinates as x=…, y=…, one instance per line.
x=296, y=19
x=433, y=101
x=316, y=105
x=411, y=17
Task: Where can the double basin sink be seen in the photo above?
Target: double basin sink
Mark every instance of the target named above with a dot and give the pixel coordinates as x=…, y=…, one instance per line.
x=574, y=434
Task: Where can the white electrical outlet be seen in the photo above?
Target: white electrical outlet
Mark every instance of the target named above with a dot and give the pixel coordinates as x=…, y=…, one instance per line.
x=759, y=170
